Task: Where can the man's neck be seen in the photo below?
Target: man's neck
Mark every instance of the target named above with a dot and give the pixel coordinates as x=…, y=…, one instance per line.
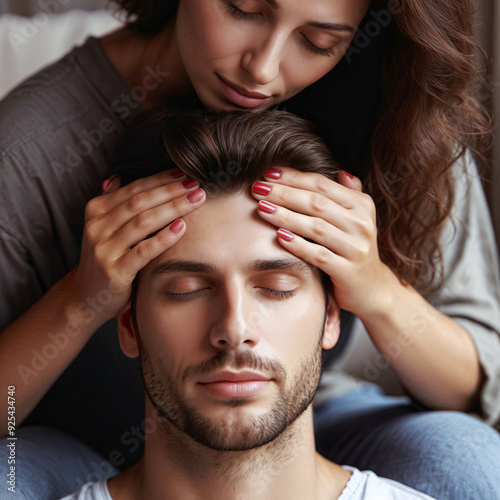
x=175, y=467
x=149, y=64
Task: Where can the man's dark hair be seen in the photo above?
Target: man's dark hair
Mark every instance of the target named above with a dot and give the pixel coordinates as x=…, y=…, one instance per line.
x=225, y=151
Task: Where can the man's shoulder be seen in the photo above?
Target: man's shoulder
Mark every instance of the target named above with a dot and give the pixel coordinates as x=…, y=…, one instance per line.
x=91, y=491
x=366, y=485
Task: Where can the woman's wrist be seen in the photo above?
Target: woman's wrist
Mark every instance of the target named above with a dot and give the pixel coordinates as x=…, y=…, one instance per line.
x=381, y=304
x=83, y=312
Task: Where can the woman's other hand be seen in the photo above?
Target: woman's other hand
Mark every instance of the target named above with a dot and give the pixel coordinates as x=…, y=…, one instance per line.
x=115, y=243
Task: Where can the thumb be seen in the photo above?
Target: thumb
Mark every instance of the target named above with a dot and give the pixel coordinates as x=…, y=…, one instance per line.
x=350, y=181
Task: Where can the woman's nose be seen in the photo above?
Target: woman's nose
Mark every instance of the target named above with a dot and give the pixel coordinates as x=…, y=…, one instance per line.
x=262, y=61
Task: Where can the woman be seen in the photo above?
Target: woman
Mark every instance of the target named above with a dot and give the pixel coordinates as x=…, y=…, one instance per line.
x=251, y=54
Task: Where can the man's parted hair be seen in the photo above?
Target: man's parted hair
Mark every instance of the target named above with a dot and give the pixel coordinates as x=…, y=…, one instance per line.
x=225, y=151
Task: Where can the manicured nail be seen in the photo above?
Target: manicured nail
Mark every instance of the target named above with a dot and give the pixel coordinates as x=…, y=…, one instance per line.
x=177, y=173
x=176, y=226
x=284, y=234
x=261, y=188
x=266, y=207
x=105, y=185
x=348, y=174
x=189, y=183
x=195, y=196
x=274, y=173
x=114, y=183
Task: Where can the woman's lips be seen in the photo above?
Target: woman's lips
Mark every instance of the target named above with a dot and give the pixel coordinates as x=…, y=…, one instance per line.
x=240, y=96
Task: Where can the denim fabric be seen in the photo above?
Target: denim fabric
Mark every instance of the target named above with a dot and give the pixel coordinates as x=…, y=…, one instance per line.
x=447, y=455
x=50, y=464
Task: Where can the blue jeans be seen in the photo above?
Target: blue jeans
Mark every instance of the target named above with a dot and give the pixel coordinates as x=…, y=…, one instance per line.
x=50, y=464
x=448, y=455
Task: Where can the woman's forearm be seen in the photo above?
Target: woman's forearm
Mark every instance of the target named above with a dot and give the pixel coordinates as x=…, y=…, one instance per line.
x=37, y=348
x=434, y=357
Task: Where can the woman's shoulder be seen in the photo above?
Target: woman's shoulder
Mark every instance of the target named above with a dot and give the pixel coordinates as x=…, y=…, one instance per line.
x=82, y=83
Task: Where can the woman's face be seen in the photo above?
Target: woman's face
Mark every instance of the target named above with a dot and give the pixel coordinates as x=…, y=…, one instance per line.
x=257, y=53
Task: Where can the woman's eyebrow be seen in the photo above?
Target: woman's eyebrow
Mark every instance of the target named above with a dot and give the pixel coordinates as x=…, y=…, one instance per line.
x=331, y=26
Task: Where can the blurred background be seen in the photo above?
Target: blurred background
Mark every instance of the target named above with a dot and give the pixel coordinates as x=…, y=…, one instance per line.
x=36, y=32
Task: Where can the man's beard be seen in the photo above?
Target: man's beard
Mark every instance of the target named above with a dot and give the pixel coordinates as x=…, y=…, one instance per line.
x=296, y=394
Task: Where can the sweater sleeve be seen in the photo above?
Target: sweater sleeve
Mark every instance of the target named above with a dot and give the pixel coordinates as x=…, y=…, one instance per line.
x=471, y=293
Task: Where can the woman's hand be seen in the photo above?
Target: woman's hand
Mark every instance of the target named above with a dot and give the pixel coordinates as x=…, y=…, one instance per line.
x=117, y=224
x=341, y=221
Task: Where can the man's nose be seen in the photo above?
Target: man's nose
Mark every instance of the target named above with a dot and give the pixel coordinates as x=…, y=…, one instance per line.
x=263, y=60
x=233, y=327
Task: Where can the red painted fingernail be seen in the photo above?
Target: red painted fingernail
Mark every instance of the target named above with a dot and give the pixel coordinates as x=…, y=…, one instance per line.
x=177, y=173
x=284, y=234
x=189, y=183
x=195, y=196
x=266, y=207
x=348, y=174
x=261, y=188
x=274, y=173
x=176, y=226
x=105, y=185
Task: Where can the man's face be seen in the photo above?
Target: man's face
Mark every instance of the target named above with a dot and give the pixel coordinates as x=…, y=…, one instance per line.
x=231, y=329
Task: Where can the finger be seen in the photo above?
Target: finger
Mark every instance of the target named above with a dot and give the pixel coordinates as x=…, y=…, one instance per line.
x=145, y=251
x=313, y=182
x=306, y=202
x=108, y=223
x=113, y=199
x=350, y=181
x=155, y=219
x=111, y=185
x=314, y=228
x=317, y=255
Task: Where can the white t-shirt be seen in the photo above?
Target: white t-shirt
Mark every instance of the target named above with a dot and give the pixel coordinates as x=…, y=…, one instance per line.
x=365, y=485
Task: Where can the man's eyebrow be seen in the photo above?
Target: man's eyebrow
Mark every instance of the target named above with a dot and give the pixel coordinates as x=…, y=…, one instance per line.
x=295, y=265
x=182, y=266
x=331, y=26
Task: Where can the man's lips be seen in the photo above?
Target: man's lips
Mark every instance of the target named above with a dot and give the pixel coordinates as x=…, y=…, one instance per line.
x=228, y=376
x=229, y=385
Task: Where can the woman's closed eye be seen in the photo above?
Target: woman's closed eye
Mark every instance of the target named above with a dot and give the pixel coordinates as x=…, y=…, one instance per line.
x=241, y=14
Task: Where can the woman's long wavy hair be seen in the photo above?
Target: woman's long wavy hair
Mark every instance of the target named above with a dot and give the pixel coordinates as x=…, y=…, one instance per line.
x=428, y=119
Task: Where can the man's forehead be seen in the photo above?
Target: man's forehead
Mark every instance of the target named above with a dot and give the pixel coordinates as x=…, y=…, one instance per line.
x=227, y=232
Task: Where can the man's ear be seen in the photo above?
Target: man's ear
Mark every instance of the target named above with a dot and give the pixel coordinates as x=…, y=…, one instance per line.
x=126, y=332
x=332, y=324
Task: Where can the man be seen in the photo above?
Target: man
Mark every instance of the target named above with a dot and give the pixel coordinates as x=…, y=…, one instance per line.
x=229, y=327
